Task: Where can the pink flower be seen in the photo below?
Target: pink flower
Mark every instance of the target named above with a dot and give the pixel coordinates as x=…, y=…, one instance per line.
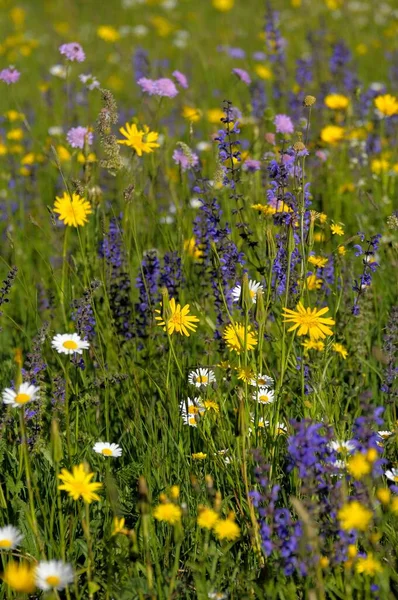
x=181, y=79
x=77, y=137
x=242, y=75
x=186, y=160
x=283, y=124
x=158, y=87
x=10, y=75
x=270, y=138
x=73, y=51
x=251, y=165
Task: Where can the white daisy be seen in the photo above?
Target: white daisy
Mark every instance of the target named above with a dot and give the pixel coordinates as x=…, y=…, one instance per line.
x=107, y=449
x=262, y=381
x=10, y=537
x=201, y=377
x=262, y=424
x=53, y=574
x=254, y=286
x=191, y=409
x=385, y=434
x=392, y=475
x=264, y=395
x=69, y=343
x=343, y=447
x=25, y=393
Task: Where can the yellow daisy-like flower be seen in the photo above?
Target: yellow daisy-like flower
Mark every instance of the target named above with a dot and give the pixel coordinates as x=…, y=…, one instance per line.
x=379, y=165
x=192, y=249
x=207, y=517
x=263, y=72
x=309, y=321
x=179, y=320
x=318, y=261
x=358, y=466
x=168, y=512
x=339, y=348
x=368, y=565
x=313, y=282
x=191, y=114
x=118, y=526
x=342, y=250
x=108, y=33
x=332, y=134
x=211, y=405
x=227, y=529
x=245, y=373
x=78, y=484
x=214, y=115
x=311, y=345
x=72, y=209
x=337, y=101
x=223, y=5
x=234, y=336
x=354, y=515
x=336, y=229
x=387, y=105
x=21, y=577
x=199, y=456
x=140, y=140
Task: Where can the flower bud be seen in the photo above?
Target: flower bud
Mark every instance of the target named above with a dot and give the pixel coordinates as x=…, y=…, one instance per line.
x=259, y=313
x=245, y=299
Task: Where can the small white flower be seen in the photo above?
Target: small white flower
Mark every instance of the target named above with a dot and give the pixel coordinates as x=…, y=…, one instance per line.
x=385, y=434
x=191, y=409
x=203, y=146
x=107, y=449
x=53, y=574
x=343, y=447
x=254, y=287
x=55, y=130
x=201, y=377
x=262, y=381
x=58, y=71
x=25, y=393
x=10, y=537
x=392, y=475
x=66, y=343
x=264, y=395
x=89, y=81
x=195, y=203
x=217, y=596
x=262, y=424
x=139, y=30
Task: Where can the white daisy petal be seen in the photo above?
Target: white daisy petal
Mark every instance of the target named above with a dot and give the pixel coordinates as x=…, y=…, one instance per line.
x=69, y=343
x=108, y=449
x=24, y=394
x=10, y=537
x=264, y=395
x=201, y=377
x=53, y=574
x=254, y=287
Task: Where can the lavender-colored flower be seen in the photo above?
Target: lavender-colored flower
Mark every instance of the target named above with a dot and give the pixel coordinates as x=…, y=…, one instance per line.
x=147, y=283
x=140, y=63
x=251, y=165
x=163, y=87
x=242, y=75
x=9, y=75
x=258, y=99
x=283, y=124
x=73, y=52
x=186, y=159
x=78, y=136
x=236, y=52
x=181, y=79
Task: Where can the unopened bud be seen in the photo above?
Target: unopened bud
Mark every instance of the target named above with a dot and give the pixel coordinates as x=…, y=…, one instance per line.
x=245, y=299
x=309, y=101
x=166, y=310
x=259, y=313
x=56, y=442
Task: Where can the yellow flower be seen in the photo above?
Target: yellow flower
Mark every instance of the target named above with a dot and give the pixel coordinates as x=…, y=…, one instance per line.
x=20, y=577
x=191, y=114
x=384, y=495
x=175, y=491
x=318, y=261
x=199, y=456
x=63, y=154
x=358, y=466
x=311, y=345
x=168, y=512
x=346, y=188
x=339, y=348
x=352, y=551
x=394, y=504
x=163, y=26
x=354, y=516
x=379, y=165
x=368, y=565
x=72, y=210
x=118, y=526
x=108, y=33
x=342, y=250
x=324, y=562
x=313, y=282
x=245, y=373
x=309, y=321
x=90, y=158
x=207, y=517
x=16, y=135
x=234, y=335
x=319, y=236
x=179, y=320
x=214, y=115
x=387, y=105
x=140, y=140
x=337, y=101
x=331, y=134
x=263, y=72
x=227, y=529
x=336, y=229
x=192, y=249
x=211, y=405
x=223, y=5
x=78, y=484
x=14, y=115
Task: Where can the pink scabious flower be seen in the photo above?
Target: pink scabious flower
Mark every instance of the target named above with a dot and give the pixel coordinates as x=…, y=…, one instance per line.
x=186, y=160
x=9, y=75
x=283, y=124
x=270, y=138
x=77, y=137
x=181, y=79
x=251, y=165
x=158, y=87
x=242, y=75
x=73, y=52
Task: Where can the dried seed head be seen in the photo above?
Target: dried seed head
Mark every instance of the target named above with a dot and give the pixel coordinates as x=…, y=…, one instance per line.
x=309, y=101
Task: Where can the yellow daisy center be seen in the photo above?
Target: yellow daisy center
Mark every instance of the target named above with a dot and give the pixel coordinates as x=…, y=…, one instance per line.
x=107, y=452
x=5, y=543
x=261, y=381
x=22, y=398
x=252, y=293
x=70, y=345
x=202, y=379
x=264, y=399
x=53, y=580
x=193, y=410
x=191, y=421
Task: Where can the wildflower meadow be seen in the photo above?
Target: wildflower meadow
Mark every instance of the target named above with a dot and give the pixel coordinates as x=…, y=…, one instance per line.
x=199, y=299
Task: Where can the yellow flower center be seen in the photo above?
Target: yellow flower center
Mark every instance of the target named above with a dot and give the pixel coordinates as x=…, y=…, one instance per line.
x=202, y=379
x=53, y=580
x=107, y=452
x=70, y=345
x=22, y=398
x=191, y=420
x=252, y=293
x=261, y=381
x=263, y=399
x=193, y=410
x=5, y=543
